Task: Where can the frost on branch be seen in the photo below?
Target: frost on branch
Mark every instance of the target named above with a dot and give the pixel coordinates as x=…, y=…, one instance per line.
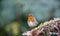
x=47, y=28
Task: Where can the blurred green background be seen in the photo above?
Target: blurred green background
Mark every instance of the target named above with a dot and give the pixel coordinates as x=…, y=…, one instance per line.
x=14, y=13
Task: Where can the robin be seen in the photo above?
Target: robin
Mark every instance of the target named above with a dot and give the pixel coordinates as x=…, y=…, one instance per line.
x=32, y=22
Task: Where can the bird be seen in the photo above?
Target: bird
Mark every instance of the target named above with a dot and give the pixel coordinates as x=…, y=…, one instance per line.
x=32, y=21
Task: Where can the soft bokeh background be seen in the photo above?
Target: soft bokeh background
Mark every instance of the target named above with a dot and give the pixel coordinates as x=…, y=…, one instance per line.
x=14, y=13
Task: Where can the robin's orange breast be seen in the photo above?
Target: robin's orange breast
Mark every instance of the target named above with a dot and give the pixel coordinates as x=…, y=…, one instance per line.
x=30, y=18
